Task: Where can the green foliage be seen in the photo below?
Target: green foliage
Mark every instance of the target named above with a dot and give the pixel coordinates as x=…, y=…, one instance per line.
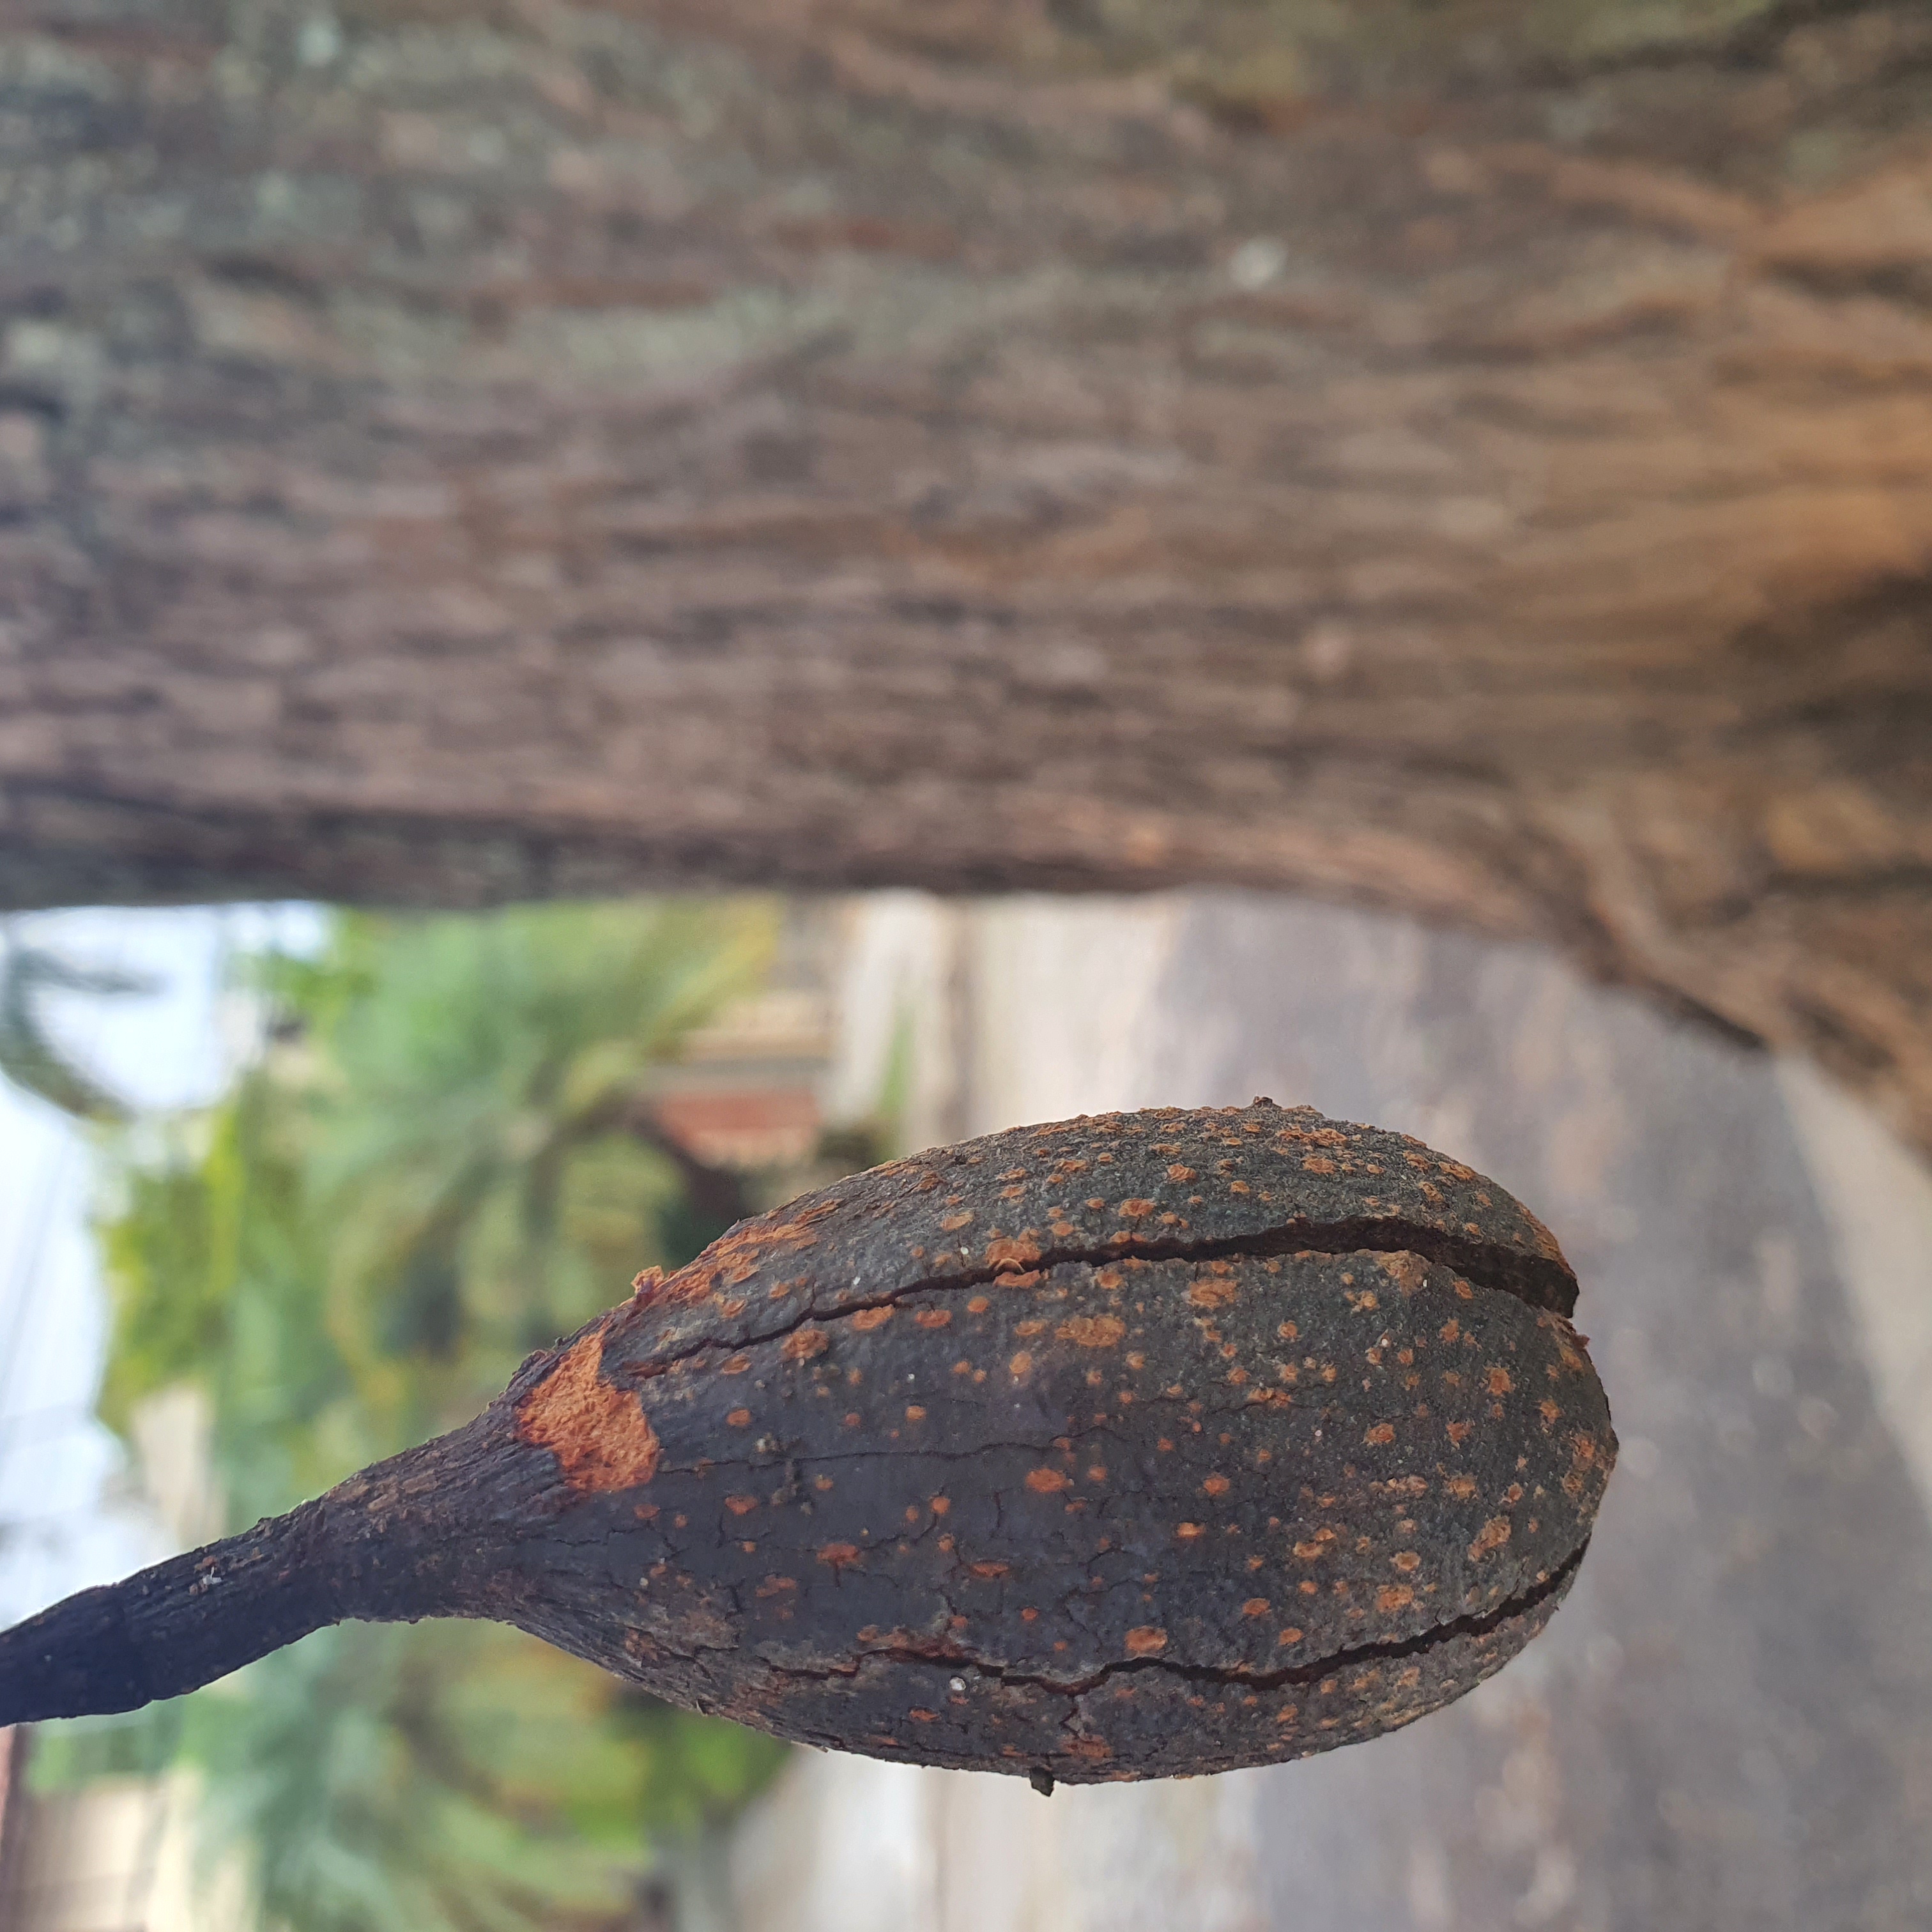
x=218, y=1262
x=473, y=1080
x=436, y=1167
x=427, y=1779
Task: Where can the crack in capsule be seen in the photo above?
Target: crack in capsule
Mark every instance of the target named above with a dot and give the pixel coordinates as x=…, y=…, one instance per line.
x=1537, y=1282
x=1392, y=1649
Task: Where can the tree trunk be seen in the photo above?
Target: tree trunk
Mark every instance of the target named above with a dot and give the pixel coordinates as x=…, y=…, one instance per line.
x=1483, y=470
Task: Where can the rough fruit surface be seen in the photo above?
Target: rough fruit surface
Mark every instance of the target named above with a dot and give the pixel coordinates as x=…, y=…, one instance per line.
x=1144, y=1444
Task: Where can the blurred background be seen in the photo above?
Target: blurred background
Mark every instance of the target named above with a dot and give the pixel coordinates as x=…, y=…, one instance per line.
x=609, y=612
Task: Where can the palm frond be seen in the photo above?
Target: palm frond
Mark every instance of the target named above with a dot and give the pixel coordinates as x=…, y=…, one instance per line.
x=29, y=1057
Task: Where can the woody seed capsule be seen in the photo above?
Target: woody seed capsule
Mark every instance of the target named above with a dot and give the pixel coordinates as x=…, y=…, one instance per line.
x=1126, y=1447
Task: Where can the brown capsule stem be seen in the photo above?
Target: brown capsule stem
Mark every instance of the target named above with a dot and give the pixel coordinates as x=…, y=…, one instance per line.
x=370, y=1550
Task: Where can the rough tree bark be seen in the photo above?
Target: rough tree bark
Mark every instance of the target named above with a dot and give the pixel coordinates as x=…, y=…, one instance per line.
x=1474, y=459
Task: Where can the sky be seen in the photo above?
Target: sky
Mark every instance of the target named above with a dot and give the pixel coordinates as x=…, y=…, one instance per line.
x=71, y=1511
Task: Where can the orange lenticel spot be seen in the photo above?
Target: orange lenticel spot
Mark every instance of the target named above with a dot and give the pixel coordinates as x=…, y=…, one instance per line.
x=1092, y=1331
x=1492, y=1535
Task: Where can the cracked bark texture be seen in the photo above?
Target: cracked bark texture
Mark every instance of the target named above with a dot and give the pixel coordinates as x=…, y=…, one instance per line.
x=1473, y=460
x=1127, y=1447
